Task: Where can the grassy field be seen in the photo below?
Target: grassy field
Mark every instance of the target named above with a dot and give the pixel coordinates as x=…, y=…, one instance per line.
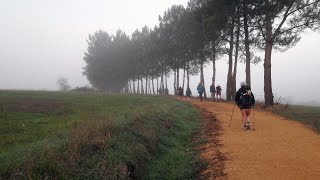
x=309, y=115
x=50, y=135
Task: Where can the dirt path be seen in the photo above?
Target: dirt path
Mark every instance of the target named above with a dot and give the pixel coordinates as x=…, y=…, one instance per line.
x=277, y=149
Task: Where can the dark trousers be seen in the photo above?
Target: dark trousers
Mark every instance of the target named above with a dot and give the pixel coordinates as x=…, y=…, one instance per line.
x=200, y=96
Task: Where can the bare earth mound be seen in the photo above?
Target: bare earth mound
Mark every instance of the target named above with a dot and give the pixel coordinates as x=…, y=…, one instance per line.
x=277, y=149
x=210, y=148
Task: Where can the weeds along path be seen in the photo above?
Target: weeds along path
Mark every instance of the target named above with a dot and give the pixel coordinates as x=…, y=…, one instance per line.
x=277, y=149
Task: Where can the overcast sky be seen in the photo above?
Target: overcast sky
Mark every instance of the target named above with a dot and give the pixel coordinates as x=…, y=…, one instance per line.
x=42, y=40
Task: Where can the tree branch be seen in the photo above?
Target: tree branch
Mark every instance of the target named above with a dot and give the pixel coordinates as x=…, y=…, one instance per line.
x=292, y=28
x=285, y=16
x=261, y=29
x=306, y=5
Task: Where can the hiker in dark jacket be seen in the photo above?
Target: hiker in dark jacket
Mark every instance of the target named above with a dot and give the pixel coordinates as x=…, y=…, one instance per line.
x=188, y=93
x=200, y=90
x=245, y=100
x=218, y=90
x=213, y=92
x=180, y=92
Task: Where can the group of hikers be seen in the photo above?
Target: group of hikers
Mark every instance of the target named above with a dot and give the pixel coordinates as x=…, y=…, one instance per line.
x=244, y=99
x=215, y=92
x=164, y=91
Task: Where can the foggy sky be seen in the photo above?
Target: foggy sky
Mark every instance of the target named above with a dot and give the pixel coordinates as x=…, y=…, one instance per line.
x=42, y=40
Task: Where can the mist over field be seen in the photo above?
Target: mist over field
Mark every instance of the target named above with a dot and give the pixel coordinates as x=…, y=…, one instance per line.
x=44, y=40
x=159, y=89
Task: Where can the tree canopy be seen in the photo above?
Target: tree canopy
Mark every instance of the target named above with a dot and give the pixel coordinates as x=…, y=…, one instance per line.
x=187, y=38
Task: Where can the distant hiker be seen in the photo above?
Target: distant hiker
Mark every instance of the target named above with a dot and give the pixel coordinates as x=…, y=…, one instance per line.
x=201, y=90
x=218, y=90
x=180, y=92
x=245, y=100
x=166, y=91
x=188, y=93
x=213, y=92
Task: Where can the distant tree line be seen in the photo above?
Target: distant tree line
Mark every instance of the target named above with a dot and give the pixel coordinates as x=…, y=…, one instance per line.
x=187, y=38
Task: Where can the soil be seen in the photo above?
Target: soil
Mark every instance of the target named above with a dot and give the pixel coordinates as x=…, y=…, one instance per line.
x=278, y=148
x=210, y=146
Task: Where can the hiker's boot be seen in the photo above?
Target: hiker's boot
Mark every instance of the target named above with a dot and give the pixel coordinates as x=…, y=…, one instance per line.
x=248, y=126
x=245, y=127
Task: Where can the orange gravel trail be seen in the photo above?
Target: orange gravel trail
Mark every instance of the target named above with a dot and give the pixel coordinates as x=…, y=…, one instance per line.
x=277, y=149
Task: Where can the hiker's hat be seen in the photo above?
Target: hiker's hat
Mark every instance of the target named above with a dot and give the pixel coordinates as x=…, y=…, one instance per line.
x=243, y=83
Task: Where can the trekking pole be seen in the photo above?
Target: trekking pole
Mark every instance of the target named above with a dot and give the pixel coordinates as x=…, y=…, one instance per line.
x=231, y=115
x=253, y=118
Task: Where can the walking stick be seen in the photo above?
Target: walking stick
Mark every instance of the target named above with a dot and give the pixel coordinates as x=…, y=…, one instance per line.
x=231, y=115
x=253, y=118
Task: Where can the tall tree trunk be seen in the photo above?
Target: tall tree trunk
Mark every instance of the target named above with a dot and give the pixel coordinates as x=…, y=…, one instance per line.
x=175, y=84
x=201, y=72
x=247, y=43
x=268, y=95
x=150, y=86
x=234, y=77
x=162, y=82
x=166, y=75
x=177, y=81
x=157, y=85
x=127, y=88
x=214, y=64
x=202, y=60
x=204, y=85
x=202, y=79
x=146, y=85
x=188, y=78
x=153, y=87
x=150, y=90
x=142, y=90
x=184, y=76
x=129, y=84
x=229, y=80
x=138, y=90
x=134, y=86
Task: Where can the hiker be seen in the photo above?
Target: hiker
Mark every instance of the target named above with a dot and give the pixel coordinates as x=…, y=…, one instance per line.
x=180, y=92
x=213, y=92
x=201, y=90
x=166, y=91
x=245, y=100
x=218, y=90
x=188, y=93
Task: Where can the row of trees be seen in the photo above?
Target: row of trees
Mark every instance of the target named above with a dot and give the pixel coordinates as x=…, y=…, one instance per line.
x=188, y=38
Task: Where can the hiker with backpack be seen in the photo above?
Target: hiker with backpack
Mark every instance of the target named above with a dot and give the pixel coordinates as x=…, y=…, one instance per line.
x=213, y=92
x=218, y=89
x=180, y=92
x=245, y=101
x=166, y=92
x=188, y=93
x=201, y=90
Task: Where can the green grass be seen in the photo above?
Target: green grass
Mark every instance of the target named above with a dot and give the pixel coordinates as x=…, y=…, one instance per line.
x=50, y=135
x=309, y=115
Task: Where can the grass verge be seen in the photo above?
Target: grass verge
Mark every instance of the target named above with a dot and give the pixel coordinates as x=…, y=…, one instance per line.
x=308, y=115
x=49, y=135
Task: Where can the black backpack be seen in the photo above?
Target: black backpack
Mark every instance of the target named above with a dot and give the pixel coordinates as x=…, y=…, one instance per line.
x=246, y=99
